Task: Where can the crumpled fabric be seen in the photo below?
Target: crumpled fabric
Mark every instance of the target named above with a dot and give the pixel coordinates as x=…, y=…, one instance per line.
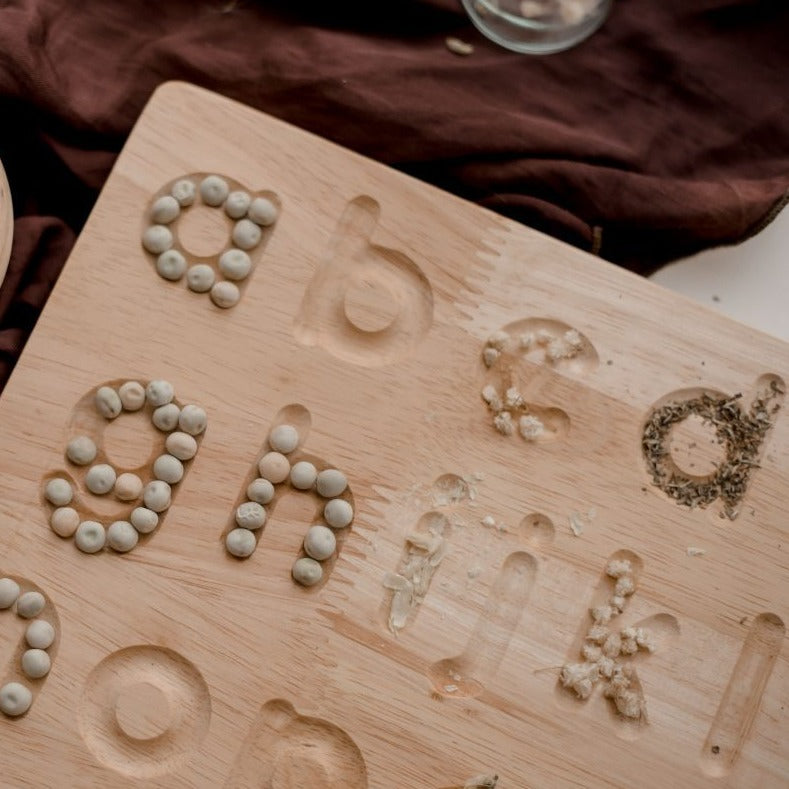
x=664, y=133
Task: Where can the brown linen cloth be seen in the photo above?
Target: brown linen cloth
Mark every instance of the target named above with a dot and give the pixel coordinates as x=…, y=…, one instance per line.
x=665, y=132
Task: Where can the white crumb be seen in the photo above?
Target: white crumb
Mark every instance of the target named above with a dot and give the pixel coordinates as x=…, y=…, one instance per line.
x=491, y=397
x=424, y=552
x=606, y=666
x=644, y=639
x=612, y=646
x=580, y=677
x=695, y=551
x=576, y=524
x=591, y=653
x=482, y=782
x=543, y=336
x=573, y=339
x=490, y=356
x=503, y=423
x=498, y=340
x=513, y=398
x=624, y=586
x=597, y=633
x=601, y=614
x=568, y=346
x=396, y=582
x=616, y=568
x=530, y=427
x=446, y=495
x=525, y=341
x=457, y=46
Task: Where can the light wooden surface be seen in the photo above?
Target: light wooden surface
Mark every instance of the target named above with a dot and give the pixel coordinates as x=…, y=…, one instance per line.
x=6, y=223
x=178, y=666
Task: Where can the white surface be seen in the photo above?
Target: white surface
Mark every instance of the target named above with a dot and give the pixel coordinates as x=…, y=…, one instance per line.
x=749, y=281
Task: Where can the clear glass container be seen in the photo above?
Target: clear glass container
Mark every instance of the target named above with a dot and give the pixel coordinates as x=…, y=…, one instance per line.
x=537, y=27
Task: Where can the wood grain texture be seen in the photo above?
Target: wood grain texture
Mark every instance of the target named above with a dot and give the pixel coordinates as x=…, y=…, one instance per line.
x=251, y=680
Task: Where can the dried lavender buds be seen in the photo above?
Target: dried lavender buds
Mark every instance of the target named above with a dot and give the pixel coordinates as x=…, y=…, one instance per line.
x=741, y=435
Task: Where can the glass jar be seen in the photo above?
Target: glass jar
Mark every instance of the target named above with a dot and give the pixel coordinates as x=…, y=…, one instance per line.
x=537, y=27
